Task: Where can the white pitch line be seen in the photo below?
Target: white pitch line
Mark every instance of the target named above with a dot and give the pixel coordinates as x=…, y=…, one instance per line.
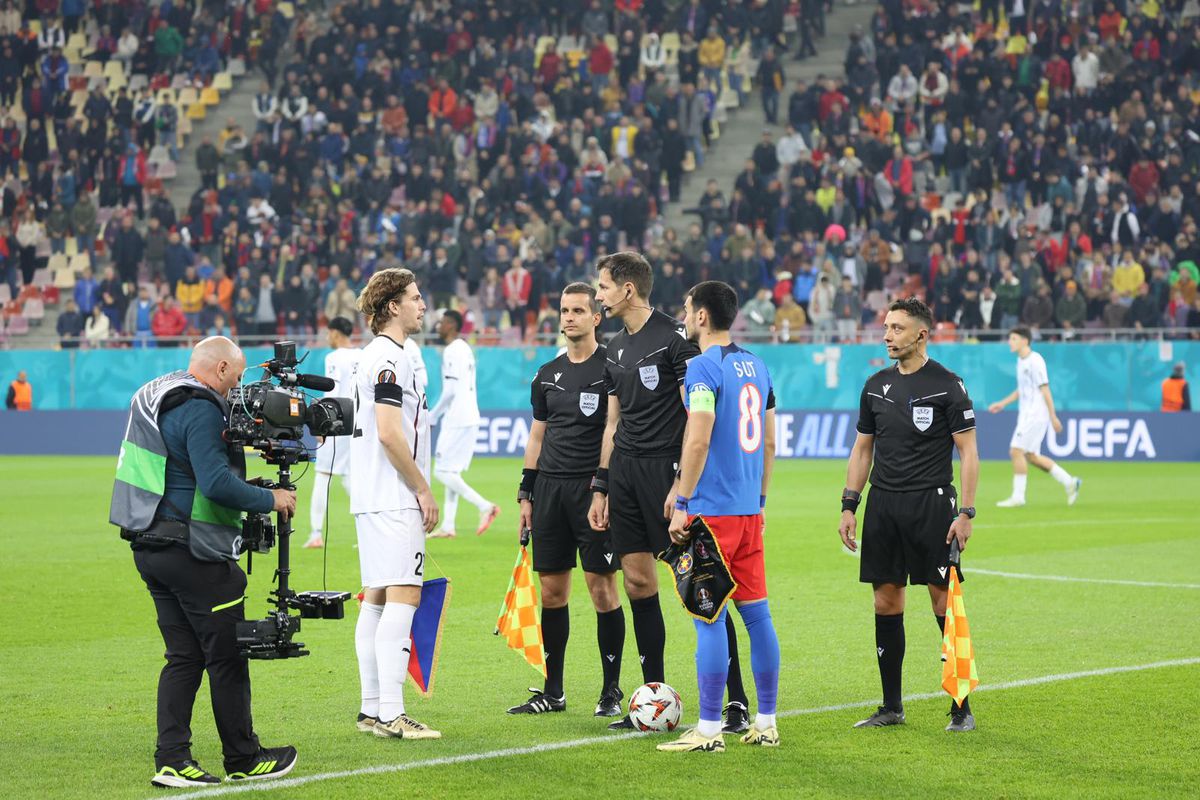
x=1071, y=523
x=547, y=747
x=1069, y=579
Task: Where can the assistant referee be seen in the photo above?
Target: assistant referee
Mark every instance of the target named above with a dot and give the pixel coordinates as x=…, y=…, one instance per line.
x=643, y=438
x=911, y=418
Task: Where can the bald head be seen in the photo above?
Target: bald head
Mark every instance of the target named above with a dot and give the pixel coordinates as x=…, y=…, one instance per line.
x=217, y=362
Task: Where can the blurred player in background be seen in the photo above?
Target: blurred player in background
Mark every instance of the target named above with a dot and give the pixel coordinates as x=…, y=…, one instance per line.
x=568, y=397
x=333, y=454
x=647, y=361
x=391, y=501
x=457, y=413
x=1034, y=415
x=725, y=467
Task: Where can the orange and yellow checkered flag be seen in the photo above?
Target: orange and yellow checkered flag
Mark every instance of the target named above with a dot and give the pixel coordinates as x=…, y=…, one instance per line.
x=519, y=621
x=958, y=672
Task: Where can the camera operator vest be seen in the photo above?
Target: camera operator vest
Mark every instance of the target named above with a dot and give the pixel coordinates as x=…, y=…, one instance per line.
x=214, y=531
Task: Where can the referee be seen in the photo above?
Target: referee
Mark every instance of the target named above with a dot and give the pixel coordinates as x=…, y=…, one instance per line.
x=560, y=459
x=643, y=437
x=912, y=416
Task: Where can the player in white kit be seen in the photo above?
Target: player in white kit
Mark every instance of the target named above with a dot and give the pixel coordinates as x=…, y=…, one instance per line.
x=1035, y=414
x=457, y=415
x=391, y=501
x=333, y=455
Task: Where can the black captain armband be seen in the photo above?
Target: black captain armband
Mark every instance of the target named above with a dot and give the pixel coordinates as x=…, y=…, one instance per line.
x=600, y=481
x=528, y=477
x=850, y=500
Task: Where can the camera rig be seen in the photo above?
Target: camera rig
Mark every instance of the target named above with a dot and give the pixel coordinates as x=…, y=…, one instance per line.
x=271, y=419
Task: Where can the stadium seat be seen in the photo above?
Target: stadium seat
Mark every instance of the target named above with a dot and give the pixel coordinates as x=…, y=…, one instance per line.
x=93, y=70
x=34, y=310
x=113, y=69
x=138, y=81
x=114, y=84
x=18, y=326
x=670, y=45
x=158, y=155
x=5, y=294
x=222, y=81
x=183, y=129
x=210, y=96
x=166, y=96
x=236, y=67
x=187, y=97
x=944, y=332
x=164, y=171
x=42, y=277
x=196, y=111
x=611, y=41
x=80, y=261
x=56, y=262
x=64, y=279
x=181, y=80
x=76, y=43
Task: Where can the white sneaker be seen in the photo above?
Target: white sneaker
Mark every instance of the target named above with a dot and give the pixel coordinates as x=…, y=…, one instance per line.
x=1073, y=491
x=1010, y=502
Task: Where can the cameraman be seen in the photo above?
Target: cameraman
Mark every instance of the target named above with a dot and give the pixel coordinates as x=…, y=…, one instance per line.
x=178, y=497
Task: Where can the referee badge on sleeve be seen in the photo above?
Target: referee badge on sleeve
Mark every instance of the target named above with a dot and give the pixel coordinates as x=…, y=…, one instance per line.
x=922, y=417
x=649, y=376
x=588, y=403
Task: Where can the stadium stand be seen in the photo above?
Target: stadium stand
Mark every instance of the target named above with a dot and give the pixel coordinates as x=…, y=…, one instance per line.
x=967, y=155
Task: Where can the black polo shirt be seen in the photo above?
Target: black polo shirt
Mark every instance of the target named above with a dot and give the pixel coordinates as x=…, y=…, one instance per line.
x=572, y=399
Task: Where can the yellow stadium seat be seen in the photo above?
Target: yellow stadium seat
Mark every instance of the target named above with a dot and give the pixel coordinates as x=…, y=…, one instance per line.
x=57, y=262
x=80, y=261
x=71, y=246
x=197, y=111
x=210, y=96
x=222, y=81
x=93, y=69
x=187, y=97
x=113, y=68
x=166, y=96
x=64, y=279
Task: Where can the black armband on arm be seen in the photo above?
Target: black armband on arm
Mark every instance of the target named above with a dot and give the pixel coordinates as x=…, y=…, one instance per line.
x=850, y=500
x=525, y=491
x=600, y=481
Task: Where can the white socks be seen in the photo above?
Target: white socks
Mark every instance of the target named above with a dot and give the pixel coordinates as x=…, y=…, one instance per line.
x=764, y=721
x=709, y=728
x=449, y=510
x=454, y=483
x=1019, y=482
x=364, y=647
x=1062, y=476
x=392, y=648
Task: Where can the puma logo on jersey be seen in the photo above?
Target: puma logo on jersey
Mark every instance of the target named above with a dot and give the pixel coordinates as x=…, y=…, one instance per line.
x=942, y=571
x=964, y=388
x=886, y=386
x=557, y=375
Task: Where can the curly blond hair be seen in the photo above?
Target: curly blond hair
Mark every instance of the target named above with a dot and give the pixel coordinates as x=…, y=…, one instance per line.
x=384, y=286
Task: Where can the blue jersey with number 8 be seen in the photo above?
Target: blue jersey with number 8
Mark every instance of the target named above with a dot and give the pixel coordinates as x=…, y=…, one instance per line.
x=735, y=385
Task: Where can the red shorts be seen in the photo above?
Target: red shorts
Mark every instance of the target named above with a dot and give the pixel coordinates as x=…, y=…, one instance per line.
x=741, y=542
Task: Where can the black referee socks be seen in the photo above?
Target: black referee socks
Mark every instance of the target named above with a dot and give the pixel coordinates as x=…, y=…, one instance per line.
x=737, y=691
x=556, y=629
x=651, y=637
x=889, y=647
x=610, y=636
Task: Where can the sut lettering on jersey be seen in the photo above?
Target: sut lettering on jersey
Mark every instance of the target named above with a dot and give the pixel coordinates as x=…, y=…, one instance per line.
x=830, y=434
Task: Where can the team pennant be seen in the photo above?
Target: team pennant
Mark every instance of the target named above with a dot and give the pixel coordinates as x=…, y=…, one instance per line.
x=427, y=633
x=519, y=622
x=958, y=672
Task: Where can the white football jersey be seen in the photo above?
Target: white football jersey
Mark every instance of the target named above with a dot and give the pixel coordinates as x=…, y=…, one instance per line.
x=418, y=364
x=458, y=384
x=1031, y=377
x=339, y=366
x=384, y=374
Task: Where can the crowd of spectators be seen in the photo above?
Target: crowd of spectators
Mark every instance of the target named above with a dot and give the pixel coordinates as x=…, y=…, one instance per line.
x=1033, y=163
x=1008, y=165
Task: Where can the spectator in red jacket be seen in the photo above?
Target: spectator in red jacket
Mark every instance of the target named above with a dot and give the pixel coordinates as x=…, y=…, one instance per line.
x=899, y=172
x=168, y=321
x=518, y=283
x=1058, y=72
x=442, y=102
x=549, y=67
x=459, y=40
x=1143, y=178
x=600, y=64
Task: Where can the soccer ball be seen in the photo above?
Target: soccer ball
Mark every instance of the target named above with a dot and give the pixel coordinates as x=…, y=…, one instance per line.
x=655, y=707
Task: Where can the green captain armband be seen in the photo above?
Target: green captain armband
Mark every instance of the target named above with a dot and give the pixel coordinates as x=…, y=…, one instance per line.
x=701, y=398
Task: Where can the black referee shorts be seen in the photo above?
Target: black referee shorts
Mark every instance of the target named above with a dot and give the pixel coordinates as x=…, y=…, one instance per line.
x=904, y=536
x=560, y=527
x=637, y=489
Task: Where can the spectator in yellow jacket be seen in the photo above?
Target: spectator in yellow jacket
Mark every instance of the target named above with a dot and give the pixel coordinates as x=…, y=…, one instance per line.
x=189, y=291
x=712, y=58
x=1128, y=277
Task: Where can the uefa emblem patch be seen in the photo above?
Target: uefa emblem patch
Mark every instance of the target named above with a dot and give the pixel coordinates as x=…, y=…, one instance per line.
x=649, y=376
x=922, y=417
x=588, y=403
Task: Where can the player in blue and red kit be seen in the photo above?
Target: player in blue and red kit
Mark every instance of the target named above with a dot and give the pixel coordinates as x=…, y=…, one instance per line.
x=728, y=453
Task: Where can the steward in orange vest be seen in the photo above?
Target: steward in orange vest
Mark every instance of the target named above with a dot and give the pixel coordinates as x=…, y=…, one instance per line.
x=1175, y=395
x=20, y=393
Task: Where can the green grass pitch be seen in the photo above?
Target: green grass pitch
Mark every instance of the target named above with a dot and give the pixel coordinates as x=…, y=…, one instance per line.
x=80, y=654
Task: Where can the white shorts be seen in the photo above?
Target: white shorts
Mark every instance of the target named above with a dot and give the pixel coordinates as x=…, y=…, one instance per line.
x=1029, y=435
x=334, y=456
x=391, y=548
x=455, y=448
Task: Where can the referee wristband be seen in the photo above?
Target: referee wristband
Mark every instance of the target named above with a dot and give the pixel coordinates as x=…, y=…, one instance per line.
x=850, y=500
x=681, y=502
x=600, y=481
x=528, y=477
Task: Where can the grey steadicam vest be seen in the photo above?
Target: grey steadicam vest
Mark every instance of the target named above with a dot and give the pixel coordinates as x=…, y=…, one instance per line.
x=214, y=531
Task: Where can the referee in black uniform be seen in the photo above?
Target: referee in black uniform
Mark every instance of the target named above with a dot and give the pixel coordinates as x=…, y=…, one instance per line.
x=912, y=416
x=570, y=402
x=635, y=485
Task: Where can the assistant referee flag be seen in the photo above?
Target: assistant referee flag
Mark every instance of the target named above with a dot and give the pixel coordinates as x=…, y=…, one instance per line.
x=519, y=622
x=958, y=672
